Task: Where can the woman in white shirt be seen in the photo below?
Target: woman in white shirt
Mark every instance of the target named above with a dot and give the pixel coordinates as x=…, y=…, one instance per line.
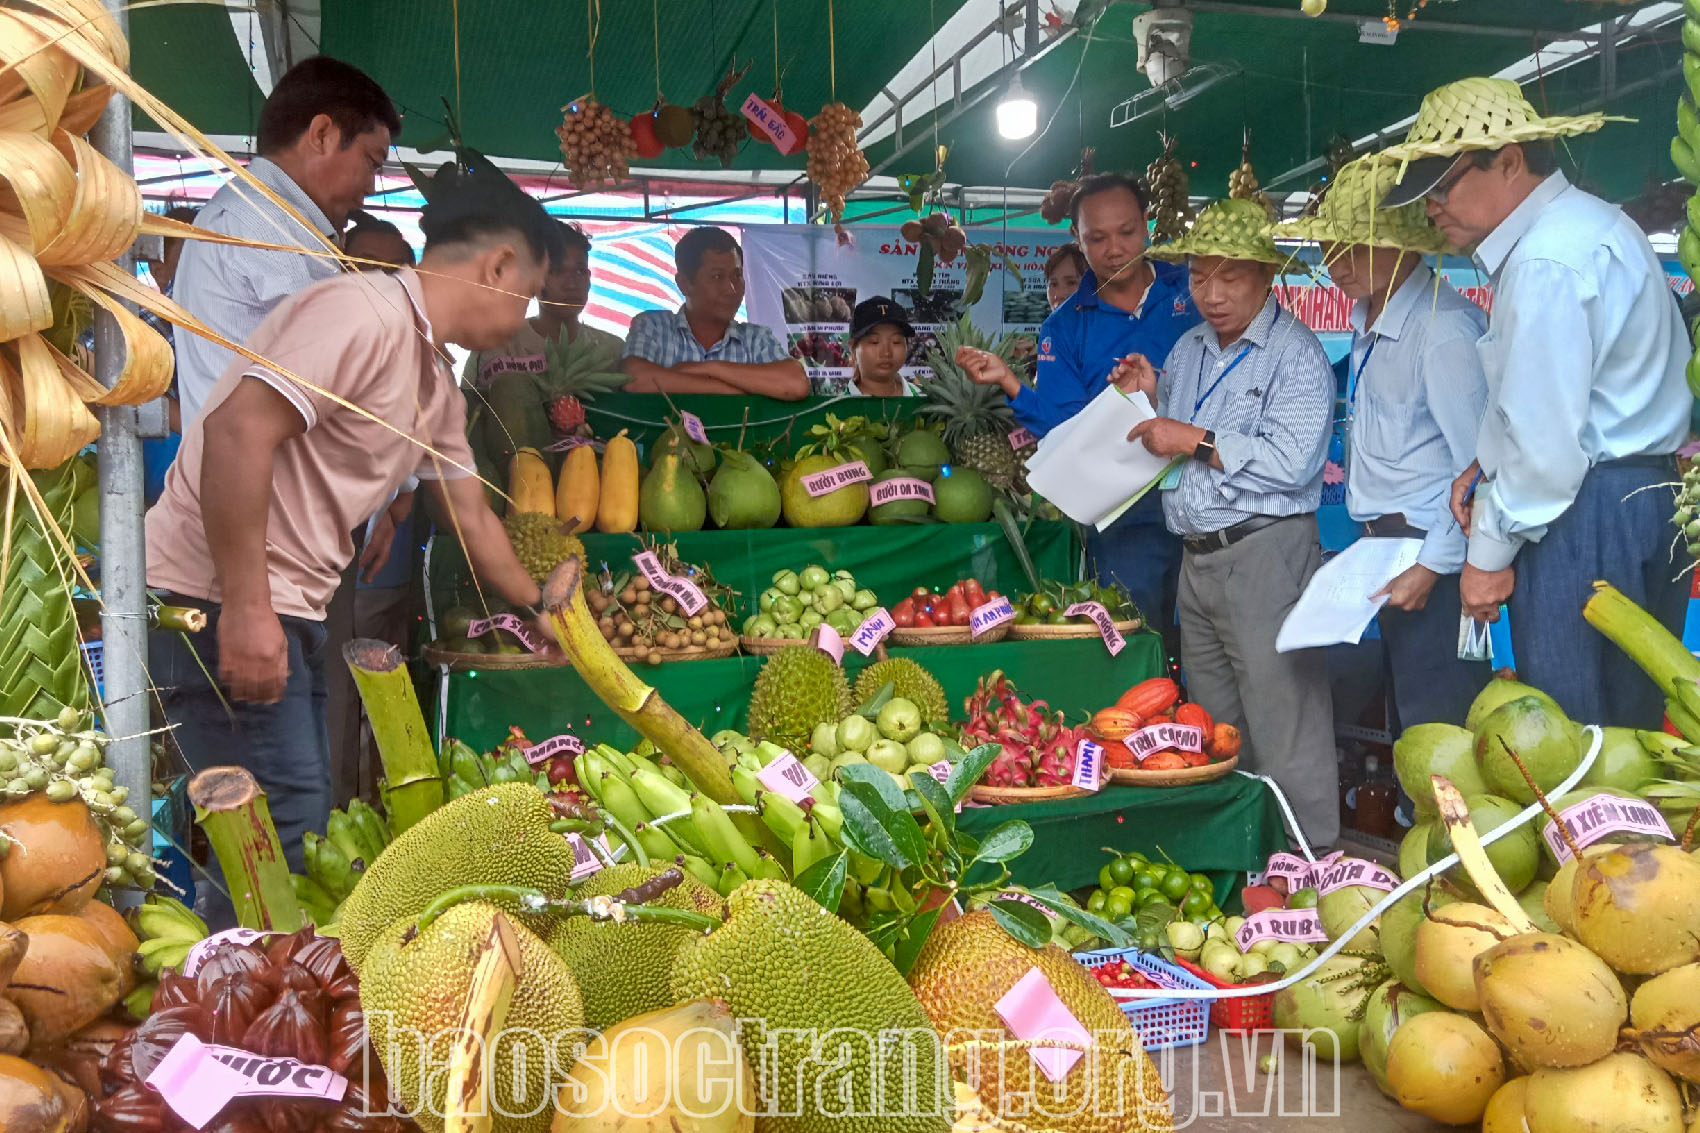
x=880, y=335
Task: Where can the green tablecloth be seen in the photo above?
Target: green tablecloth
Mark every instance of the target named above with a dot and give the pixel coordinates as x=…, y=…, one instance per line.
x=1220, y=828
x=1075, y=676
x=755, y=419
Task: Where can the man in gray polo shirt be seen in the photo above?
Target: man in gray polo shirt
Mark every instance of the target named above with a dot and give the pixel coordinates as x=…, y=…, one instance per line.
x=323, y=134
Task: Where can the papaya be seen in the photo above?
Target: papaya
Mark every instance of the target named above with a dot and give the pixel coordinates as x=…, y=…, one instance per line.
x=530, y=486
x=617, y=505
x=579, y=492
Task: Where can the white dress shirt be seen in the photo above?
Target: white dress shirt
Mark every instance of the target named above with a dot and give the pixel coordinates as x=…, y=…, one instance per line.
x=231, y=288
x=1415, y=398
x=1584, y=358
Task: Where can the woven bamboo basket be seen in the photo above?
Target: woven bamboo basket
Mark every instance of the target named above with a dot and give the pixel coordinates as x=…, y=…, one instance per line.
x=981, y=793
x=1177, y=778
x=462, y=662
x=688, y=653
x=1068, y=632
x=946, y=635
x=768, y=646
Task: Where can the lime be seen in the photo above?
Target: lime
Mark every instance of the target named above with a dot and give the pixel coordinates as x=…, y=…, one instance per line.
x=1202, y=883
x=1146, y=896
x=1143, y=878
x=1302, y=899
x=1106, y=879
x=1150, y=941
x=1122, y=891
x=1136, y=857
x=1096, y=902
x=1196, y=904
x=1122, y=870
x=1117, y=906
x=1176, y=885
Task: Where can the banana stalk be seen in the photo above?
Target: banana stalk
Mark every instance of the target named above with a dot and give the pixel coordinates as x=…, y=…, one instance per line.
x=638, y=704
x=494, y=975
x=1661, y=655
x=411, y=787
x=231, y=808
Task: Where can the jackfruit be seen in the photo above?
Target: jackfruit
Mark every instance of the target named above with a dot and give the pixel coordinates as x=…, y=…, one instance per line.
x=541, y=542
x=837, y=1040
x=911, y=681
x=495, y=836
x=414, y=988
x=970, y=964
x=798, y=688
x=626, y=969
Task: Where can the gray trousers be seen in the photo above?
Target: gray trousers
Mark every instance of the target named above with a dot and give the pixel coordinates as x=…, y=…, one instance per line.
x=1232, y=603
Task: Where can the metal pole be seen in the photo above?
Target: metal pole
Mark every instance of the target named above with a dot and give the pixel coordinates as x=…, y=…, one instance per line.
x=123, y=571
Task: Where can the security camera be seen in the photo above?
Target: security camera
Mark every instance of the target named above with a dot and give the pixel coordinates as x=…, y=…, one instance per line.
x=1164, y=38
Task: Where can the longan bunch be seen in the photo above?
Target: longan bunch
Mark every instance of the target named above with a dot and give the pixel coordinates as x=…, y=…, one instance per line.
x=836, y=164
x=1242, y=184
x=596, y=146
x=1170, y=211
x=639, y=621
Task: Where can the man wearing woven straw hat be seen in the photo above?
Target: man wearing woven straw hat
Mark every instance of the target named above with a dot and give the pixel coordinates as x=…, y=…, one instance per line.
x=1587, y=403
x=1414, y=398
x=1247, y=400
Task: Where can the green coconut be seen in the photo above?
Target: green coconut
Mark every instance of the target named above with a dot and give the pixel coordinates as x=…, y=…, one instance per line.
x=1448, y=942
x=1399, y=934
x=1626, y=761
x=1532, y=729
x=1325, y=1009
x=1498, y=691
x=1413, y=849
x=1391, y=1005
x=1515, y=857
x=1342, y=908
x=1436, y=749
x=1534, y=902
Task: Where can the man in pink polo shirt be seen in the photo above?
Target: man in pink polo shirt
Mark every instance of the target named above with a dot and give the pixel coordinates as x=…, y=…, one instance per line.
x=254, y=524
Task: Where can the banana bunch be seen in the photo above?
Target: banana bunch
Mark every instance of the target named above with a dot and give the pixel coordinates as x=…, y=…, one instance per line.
x=167, y=929
x=353, y=839
x=464, y=770
x=1685, y=155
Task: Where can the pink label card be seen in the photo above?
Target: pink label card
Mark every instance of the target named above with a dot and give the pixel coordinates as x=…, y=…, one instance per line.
x=567, y=444
x=872, y=631
x=586, y=861
x=1026, y=899
x=1594, y=819
x=690, y=597
x=527, y=637
x=899, y=488
x=1113, y=639
x=1296, y=871
x=1301, y=926
x=940, y=771
x=198, y=1079
x=787, y=776
x=1355, y=871
x=769, y=121
x=1032, y=1011
x=1088, y=766
x=1021, y=438
x=203, y=949
x=983, y=619
x=832, y=479
x=549, y=748
x=828, y=641
x=1160, y=737
x=693, y=427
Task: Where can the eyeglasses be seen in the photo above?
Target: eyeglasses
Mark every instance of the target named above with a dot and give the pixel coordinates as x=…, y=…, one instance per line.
x=1443, y=190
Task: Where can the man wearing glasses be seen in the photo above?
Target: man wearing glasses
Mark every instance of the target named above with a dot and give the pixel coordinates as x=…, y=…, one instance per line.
x=1587, y=403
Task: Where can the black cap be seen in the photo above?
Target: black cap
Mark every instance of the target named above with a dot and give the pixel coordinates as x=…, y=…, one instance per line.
x=1421, y=176
x=878, y=311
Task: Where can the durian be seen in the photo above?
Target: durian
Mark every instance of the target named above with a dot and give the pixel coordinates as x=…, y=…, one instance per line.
x=798, y=688
x=910, y=681
x=541, y=543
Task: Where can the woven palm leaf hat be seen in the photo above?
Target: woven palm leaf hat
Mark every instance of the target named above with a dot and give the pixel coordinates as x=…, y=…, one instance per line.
x=1470, y=114
x=1236, y=229
x=1351, y=213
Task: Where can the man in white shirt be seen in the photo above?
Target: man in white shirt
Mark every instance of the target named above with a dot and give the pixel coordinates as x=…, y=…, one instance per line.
x=1587, y=403
x=323, y=135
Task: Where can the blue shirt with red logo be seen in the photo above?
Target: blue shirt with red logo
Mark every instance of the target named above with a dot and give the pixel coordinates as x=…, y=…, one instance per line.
x=1084, y=339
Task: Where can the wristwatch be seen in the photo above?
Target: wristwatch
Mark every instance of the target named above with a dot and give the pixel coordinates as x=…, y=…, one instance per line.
x=1206, y=448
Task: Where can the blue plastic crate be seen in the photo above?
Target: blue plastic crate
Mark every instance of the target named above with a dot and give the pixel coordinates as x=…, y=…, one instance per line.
x=94, y=658
x=1160, y=1022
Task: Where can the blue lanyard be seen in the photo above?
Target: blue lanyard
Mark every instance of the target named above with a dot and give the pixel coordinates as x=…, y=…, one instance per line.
x=1205, y=396
x=1355, y=377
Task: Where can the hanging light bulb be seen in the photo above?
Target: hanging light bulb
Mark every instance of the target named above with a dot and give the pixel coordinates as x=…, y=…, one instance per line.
x=1018, y=114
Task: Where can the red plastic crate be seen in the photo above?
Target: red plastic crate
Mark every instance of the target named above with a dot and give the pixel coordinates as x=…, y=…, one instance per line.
x=1239, y=1014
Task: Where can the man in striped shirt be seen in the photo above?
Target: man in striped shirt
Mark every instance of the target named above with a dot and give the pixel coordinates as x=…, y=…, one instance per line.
x=701, y=347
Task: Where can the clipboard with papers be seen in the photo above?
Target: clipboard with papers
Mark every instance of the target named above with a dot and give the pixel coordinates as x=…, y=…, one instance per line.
x=1089, y=469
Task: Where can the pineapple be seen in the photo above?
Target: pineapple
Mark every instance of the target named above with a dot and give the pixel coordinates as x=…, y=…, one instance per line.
x=977, y=420
x=576, y=372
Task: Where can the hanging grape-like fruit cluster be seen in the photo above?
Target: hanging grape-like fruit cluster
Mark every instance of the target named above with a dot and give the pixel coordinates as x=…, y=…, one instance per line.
x=1242, y=184
x=1170, y=211
x=596, y=147
x=1687, y=516
x=720, y=129
x=836, y=163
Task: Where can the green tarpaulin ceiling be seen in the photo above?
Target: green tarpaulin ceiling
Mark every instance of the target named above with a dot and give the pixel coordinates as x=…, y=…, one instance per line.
x=1300, y=81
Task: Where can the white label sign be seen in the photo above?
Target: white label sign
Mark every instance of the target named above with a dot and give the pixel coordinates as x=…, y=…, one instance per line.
x=787, y=776
x=549, y=748
x=681, y=590
x=1594, y=819
x=198, y=1079
x=1301, y=926
x=1160, y=737
x=985, y=618
x=1113, y=639
x=872, y=631
x=833, y=479
x=585, y=860
x=1088, y=766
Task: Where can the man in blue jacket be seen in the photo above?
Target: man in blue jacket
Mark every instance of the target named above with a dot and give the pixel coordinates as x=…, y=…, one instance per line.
x=1125, y=305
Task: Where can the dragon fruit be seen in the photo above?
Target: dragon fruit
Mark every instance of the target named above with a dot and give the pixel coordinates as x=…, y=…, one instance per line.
x=566, y=414
x=1038, y=745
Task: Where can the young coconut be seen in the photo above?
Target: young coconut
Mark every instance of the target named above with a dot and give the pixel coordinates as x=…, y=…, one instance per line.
x=1638, y=908
x=1666, y=1015
x=67, y=978
x=1392, y=1005
x=1340, y=909
x=1618, y=1093
x=1448, y=942
x=1399, y=932
x=29, y=1100
x=1325, y=1010
x=14, y=1032
x=57, y=857
x=1550, y=1000
x=1504, y=1113
x=1445, y=1067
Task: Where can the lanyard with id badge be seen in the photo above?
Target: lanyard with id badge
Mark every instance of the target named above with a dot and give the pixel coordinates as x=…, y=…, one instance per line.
x=1172, y=478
